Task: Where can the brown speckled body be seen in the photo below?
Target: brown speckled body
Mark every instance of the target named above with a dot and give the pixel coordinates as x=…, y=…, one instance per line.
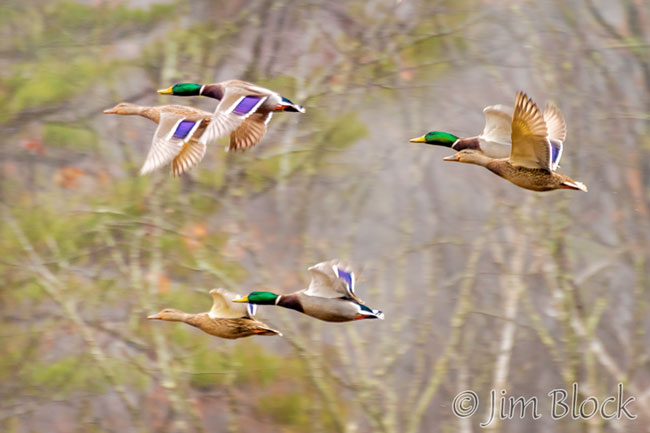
x=228, y=328
x=535, y=179
x=219, y=327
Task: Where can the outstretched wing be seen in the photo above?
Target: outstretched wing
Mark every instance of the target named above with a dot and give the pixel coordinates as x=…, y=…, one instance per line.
x=498, y=124
x=554, y=122
x=190, y=155
x=348, y=278
x=530, y=145
x=556, y=132
x=250, y=132
x=236, y=106
x=330, y=280
x=174, y=130
x=323, y=282
x=223, y=306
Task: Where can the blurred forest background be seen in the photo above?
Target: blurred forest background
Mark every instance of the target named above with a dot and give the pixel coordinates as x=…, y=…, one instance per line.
x=484, y=285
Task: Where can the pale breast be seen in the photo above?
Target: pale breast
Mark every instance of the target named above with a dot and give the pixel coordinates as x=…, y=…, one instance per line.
x=329, y=310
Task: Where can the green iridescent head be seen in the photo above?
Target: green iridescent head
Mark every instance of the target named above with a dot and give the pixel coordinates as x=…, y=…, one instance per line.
x=437, y=138
x=259, y=298
x=182, y=89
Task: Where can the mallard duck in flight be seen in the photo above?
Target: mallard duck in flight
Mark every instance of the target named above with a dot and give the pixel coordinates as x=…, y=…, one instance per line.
x=329, y=297
x=537, y=142
x=225, y=319
x=243, y=111
x=176, y=139
x=495, y=140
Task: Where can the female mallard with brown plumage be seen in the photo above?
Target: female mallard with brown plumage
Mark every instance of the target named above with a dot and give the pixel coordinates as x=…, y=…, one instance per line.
x=224, y=320
x=176, y=139
x=243, y=111
x=329, y=297
x=537, y=141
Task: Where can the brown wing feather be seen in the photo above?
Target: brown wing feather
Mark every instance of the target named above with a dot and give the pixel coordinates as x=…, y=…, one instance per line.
x=250, y=132
x=530, y=145
x=191, y=154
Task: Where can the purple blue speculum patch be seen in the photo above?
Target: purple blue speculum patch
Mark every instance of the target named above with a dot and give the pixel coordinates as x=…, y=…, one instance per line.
x=346, y=277
x=555, y=153
x=246, y=105
x=183, y=128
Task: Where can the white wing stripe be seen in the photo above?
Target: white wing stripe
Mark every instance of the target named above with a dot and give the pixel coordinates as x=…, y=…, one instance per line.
x=232, y=107
x=173, y=129
x=191, y=133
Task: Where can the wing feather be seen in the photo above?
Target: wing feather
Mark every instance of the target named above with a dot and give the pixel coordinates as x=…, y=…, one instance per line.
x=330, y=280
x=164, y=146
x=495, y=138
x=250, y=132
x=530, y=145
x=225, y=118
x=498, y=124
x=190, y=155
x=223, y=306
x=556, y=132
x=555, y=122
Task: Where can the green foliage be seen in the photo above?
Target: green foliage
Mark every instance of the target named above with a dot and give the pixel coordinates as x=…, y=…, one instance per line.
x=256, y=366
x=289, y=409
x=64, y=22
x=44, y=76
x=71, y=14
x=30, y=290
x=47, y=82
x=335, y=134
x=249, y=364
x=68, y=136
x=65, y=375
x=344, y=131
x=70, y=374
x=198, y=48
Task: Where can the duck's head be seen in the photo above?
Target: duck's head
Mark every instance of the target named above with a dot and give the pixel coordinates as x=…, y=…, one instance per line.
x=169, y=314
x=368, y=313
x=436, y=138
x=259, y=298
x=469, y=156
x=182, y=89
x=124, y=108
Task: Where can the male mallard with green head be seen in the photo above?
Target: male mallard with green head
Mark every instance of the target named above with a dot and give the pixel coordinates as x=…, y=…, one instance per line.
x=224, y=320
x=537, y=142
x=494, y=141
x=243, y=111
x=329, y=297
